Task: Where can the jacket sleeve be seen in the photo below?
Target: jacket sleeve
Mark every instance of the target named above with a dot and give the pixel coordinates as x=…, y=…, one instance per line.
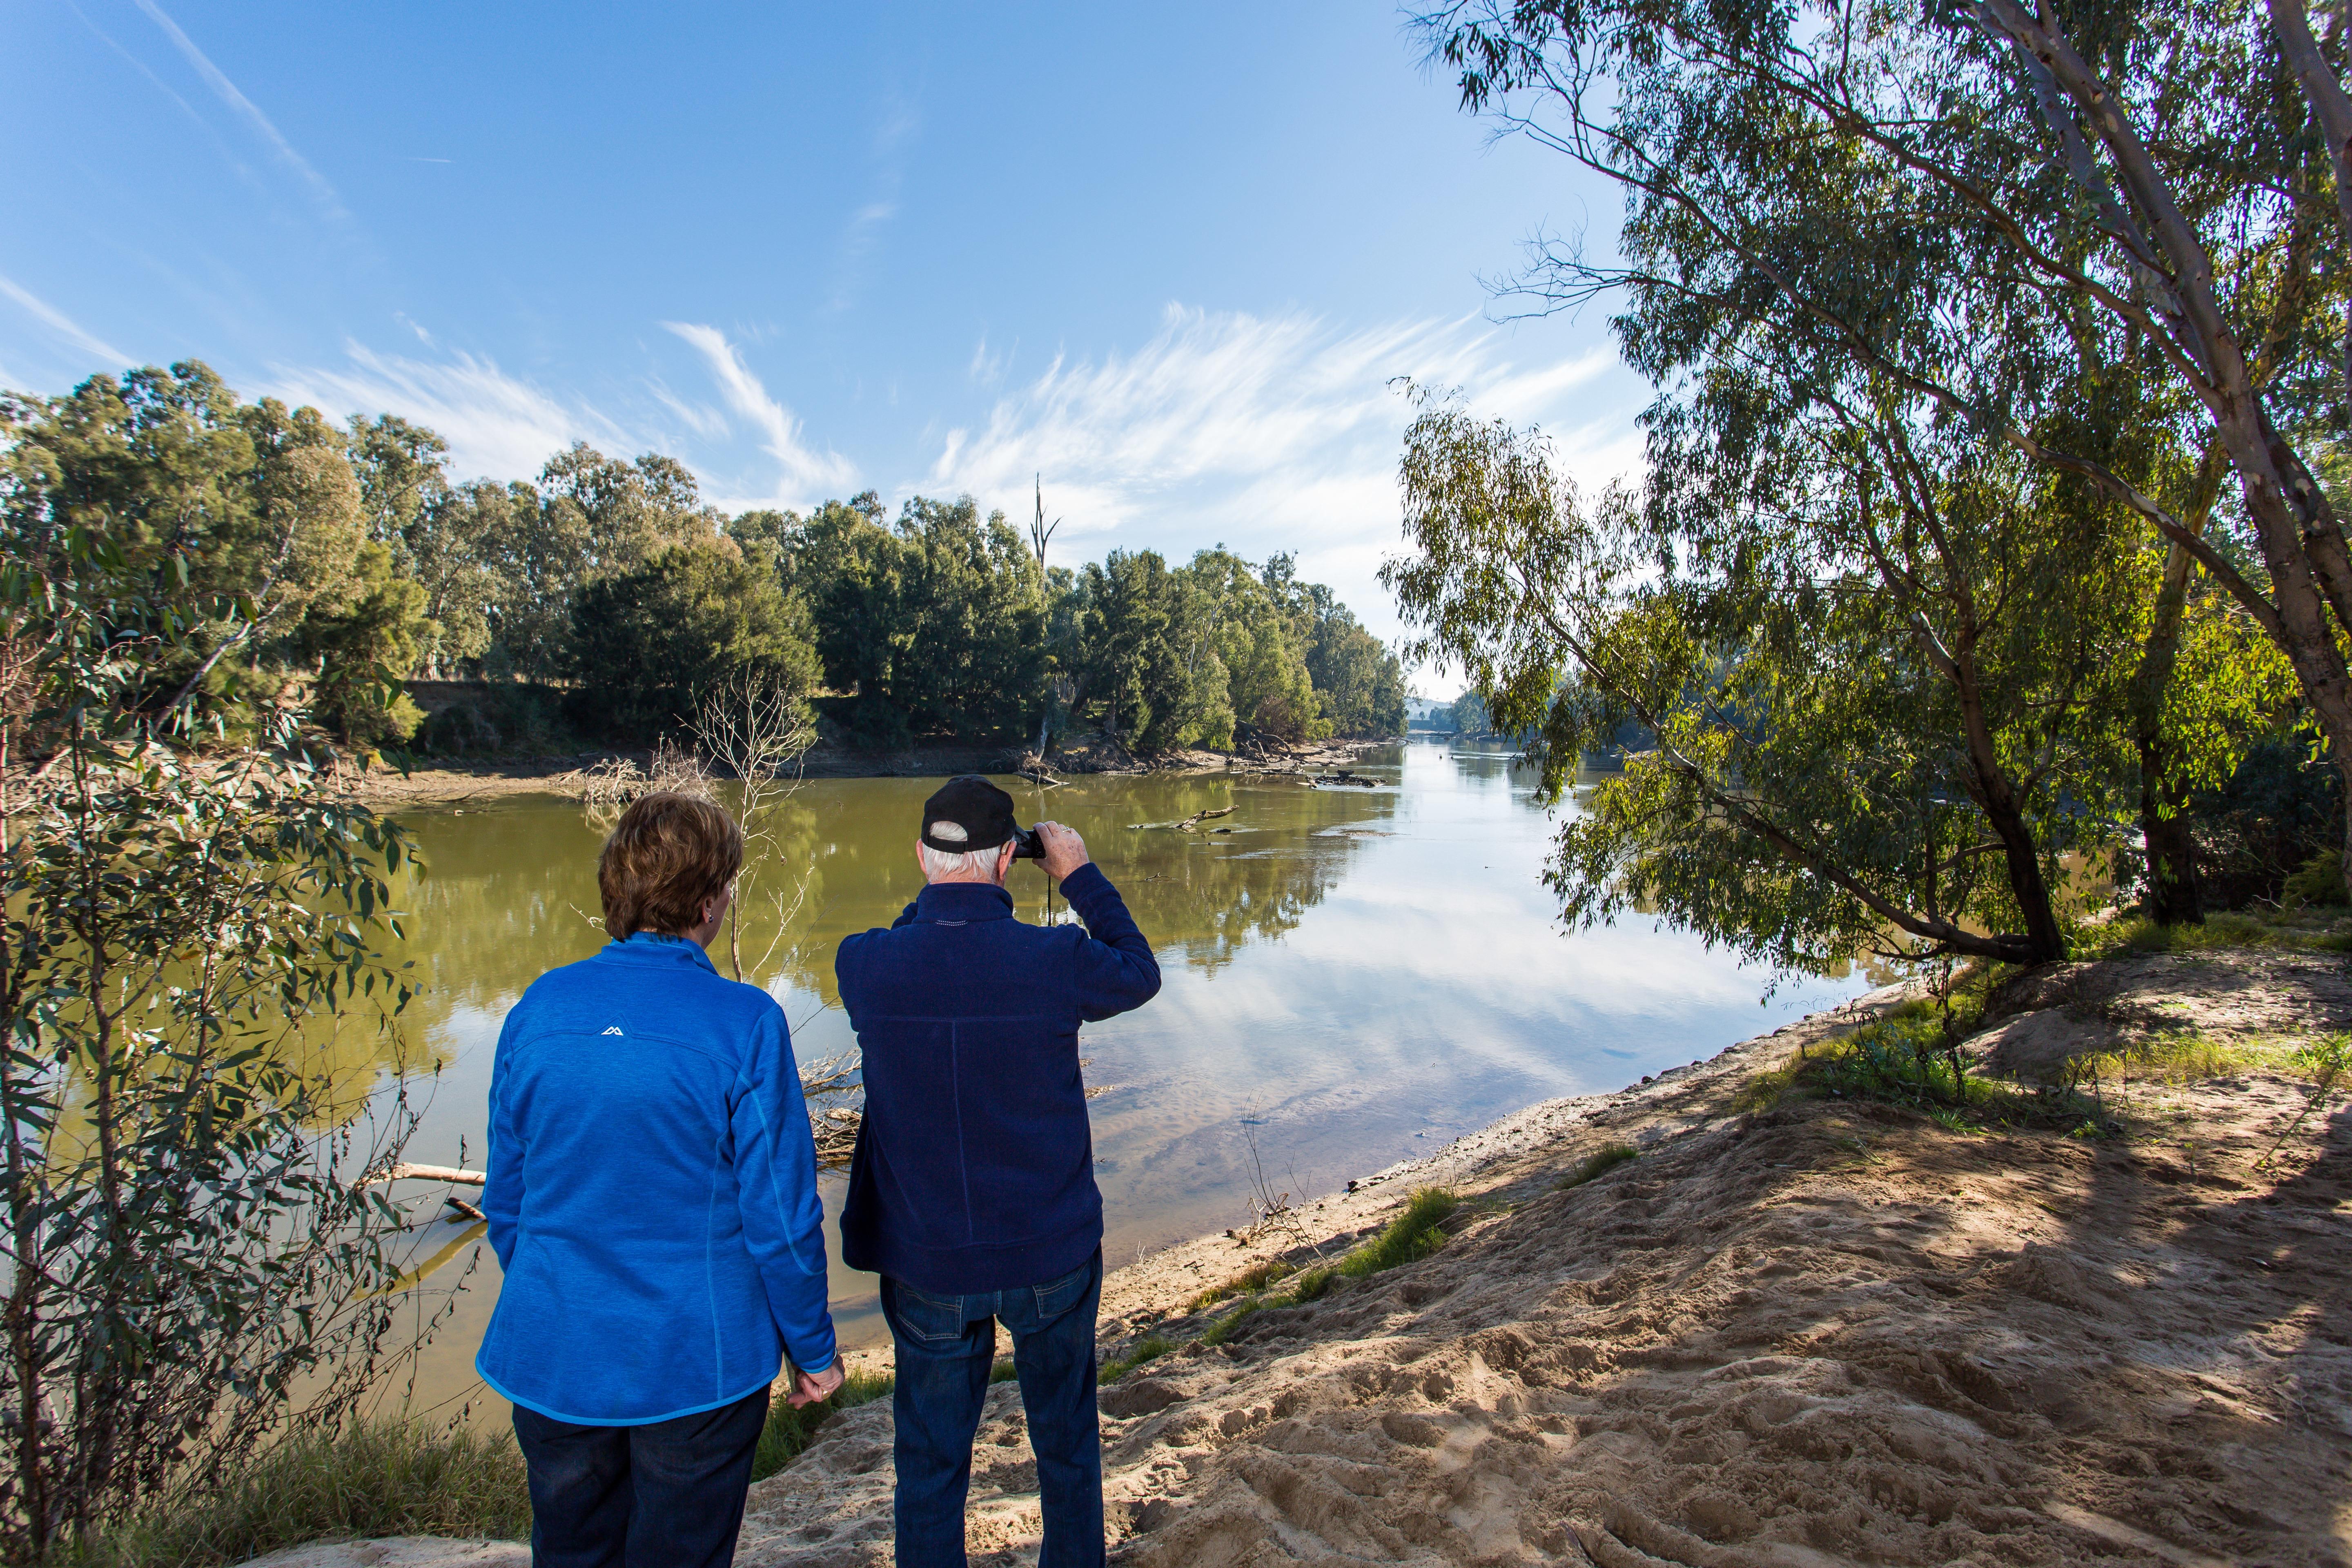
x=1115, y=969
x=775, y=1183
x=905, y=916
x=502, y=1193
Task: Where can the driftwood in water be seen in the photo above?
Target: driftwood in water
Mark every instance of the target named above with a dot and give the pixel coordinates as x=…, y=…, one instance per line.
x=1345, y=776
x=1033, y=767
x=464, y=1209
x=1188, y=824
x=835, y=1131
x=404, y=1172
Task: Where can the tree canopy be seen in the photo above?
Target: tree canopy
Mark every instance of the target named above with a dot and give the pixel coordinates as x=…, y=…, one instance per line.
x=1934, y=577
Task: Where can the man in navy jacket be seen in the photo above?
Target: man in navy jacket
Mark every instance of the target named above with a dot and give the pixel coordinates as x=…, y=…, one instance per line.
x=972, y=1193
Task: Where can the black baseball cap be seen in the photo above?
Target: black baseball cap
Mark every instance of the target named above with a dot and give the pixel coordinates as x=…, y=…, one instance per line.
x=984, y=811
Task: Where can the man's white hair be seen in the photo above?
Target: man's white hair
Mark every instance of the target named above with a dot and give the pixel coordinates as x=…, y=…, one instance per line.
x=938, y=865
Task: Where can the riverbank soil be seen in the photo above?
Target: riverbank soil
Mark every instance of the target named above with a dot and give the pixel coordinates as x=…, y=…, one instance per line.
x=1793, y=1331
x=456, y=783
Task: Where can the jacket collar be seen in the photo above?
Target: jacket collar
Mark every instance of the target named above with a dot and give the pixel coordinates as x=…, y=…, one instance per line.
x=955, y=904
x=650, y=948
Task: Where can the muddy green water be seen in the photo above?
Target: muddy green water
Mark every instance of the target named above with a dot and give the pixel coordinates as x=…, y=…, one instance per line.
x=1353, y=978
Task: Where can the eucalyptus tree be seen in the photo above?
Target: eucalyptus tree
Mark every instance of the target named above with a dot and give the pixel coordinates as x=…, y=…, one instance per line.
x=972, y=616
x=1883, y=698
x=655, y=642
x=192, y=1262
x=1243, y=645
x=1982, y=210
x=247, y=516
x=1359, y=683
x=1128, y=660
x=401, y=469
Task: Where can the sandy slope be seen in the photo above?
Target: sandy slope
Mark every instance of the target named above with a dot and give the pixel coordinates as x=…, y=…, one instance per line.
x=1810, y=1335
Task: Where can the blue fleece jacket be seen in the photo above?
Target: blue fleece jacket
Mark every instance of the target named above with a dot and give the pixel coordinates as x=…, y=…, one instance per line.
x=975, y=1167
x=652, y=1192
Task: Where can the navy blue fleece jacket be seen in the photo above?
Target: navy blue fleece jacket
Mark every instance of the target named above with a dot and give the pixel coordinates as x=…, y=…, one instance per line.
x=652, y=1192
x=975, y=1166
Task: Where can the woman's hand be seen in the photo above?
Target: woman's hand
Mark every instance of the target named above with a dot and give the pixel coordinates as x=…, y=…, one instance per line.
x=809, y=1387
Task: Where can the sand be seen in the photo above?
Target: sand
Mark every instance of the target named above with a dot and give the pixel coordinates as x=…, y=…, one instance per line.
x=1788, y=1335
x=1814, y=1334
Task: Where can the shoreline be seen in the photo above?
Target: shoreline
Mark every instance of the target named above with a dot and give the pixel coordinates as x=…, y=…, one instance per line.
x=1792, y=1330
x=1664, y=1106
x=451, y=783
x=1151, y=1288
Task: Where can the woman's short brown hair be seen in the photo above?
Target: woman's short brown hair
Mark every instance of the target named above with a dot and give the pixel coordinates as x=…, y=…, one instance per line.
x=669, y=855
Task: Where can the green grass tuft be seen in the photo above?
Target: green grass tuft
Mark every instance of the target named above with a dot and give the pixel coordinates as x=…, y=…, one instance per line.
x=1253, y=1278
x=1415, y=1234
x=1599, y=1162
x=2226, y=928
x=1223, y=1329
x=387, y=1477
x=788, y=1432
x=1003, y=1371
x=1150, y=1347
x=1412, y=1235
x=2318, y=881
x=1310, y=1285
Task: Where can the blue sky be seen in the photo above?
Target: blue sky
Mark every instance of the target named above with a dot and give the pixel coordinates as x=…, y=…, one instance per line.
x=1170, y=259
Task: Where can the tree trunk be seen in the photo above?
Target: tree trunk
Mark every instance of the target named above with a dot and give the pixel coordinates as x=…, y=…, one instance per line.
x=2174, y=897
x=1996, y=795
x=2046, y=943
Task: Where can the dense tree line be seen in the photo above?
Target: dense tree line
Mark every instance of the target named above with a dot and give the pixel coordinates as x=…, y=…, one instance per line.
x=366, y=564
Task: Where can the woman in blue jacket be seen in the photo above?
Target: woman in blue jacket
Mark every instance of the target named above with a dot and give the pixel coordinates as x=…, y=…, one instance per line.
x=653, y=1203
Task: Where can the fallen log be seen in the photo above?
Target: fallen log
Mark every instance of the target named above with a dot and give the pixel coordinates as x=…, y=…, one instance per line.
x=1189, y=823
x=404, y=1172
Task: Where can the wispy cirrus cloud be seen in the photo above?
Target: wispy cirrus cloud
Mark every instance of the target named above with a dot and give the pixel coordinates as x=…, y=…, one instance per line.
x=63, y=325
x=1266, y=433
x=804, y=472
x=496, y=424
x=246, y=109
x=1276, y=432
x=893, y=138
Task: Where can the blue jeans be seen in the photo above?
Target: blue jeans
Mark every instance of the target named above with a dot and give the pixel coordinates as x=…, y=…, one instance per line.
x=946, y=1345
x=668, y=1494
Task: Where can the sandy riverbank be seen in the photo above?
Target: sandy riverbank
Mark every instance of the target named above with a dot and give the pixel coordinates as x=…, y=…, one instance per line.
x=1795, y=1332
x=454, y=783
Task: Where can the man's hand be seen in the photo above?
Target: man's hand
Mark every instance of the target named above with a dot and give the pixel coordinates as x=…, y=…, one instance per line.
x=1064, y=851
x=809, y=1387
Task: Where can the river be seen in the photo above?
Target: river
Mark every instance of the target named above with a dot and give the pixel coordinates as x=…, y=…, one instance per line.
x=1353, y=976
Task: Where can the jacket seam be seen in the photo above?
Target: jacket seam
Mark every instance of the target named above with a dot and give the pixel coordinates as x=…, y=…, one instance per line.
x=710, y=1279
x=963, y=1159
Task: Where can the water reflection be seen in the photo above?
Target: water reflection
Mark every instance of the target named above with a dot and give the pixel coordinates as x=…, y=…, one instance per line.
x=1352, y=975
